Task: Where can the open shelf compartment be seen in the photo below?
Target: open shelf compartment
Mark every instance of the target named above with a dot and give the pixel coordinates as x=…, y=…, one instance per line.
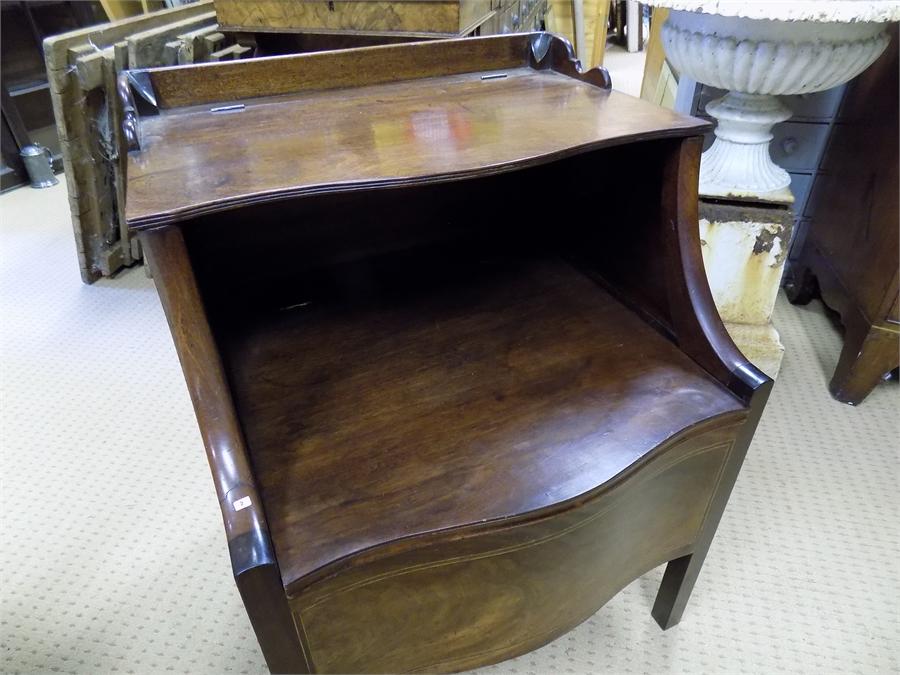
x=486, y=389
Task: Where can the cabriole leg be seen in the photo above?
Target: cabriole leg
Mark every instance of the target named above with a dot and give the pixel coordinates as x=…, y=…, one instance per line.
x=868, y=354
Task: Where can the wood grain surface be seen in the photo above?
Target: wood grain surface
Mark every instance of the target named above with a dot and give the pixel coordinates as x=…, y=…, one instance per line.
x=426, y=16
x=517, y=389
x=250, y=547
x=438, y=129
x=483, y=597
x=337, y=69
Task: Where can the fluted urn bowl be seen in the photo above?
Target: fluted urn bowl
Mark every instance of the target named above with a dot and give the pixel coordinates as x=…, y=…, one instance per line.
x=758, y=60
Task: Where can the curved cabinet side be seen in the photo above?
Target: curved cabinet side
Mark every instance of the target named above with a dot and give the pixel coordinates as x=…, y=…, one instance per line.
x=700, y=333
x=252, y=555
x=696, y=323
x=466, y=601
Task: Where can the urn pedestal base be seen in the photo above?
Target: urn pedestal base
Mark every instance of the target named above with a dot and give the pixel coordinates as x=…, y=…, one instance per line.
x=760, y=343
x=744, y=250
x=738, y=164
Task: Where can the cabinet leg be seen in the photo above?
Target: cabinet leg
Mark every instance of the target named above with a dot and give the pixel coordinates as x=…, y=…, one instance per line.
x=681, y=574
x=868, y=353
x=799, y=284
x=263, y=595
x=675, y=590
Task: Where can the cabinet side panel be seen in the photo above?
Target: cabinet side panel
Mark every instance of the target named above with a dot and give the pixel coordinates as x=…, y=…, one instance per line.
x=462, y=603
x=853, y=238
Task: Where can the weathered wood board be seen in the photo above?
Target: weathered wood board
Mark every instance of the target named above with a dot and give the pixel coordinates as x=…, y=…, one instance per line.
x=82, y=67
x=596, y=14
x=148, y=48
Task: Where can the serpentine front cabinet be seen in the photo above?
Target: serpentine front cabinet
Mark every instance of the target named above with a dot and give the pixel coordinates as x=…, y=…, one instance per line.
x=443, y=317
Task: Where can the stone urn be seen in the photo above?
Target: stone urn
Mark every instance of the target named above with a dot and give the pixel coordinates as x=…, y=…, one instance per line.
x=759, y=51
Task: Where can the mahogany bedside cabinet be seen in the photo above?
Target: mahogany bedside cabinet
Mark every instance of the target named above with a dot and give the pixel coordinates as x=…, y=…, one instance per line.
x=442, y=313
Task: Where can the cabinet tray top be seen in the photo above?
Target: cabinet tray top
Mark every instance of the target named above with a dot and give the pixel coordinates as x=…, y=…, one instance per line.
x=404, y=118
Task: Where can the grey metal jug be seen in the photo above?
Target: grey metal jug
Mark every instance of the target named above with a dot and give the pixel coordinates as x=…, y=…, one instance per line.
x=39, y=164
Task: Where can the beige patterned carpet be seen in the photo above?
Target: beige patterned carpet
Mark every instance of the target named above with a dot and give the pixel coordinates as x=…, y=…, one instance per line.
x=113, y=559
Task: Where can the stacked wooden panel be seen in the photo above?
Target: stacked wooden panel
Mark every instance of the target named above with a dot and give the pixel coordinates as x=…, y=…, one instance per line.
x=82, y=67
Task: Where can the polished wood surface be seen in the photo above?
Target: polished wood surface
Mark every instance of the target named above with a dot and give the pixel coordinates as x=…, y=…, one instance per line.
x=851, y=253
x=439, y=128
x=250, y=547
x=502, y=592
x=464, y=417
x=449, y=127
x=457, y=404
x=342, y=69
